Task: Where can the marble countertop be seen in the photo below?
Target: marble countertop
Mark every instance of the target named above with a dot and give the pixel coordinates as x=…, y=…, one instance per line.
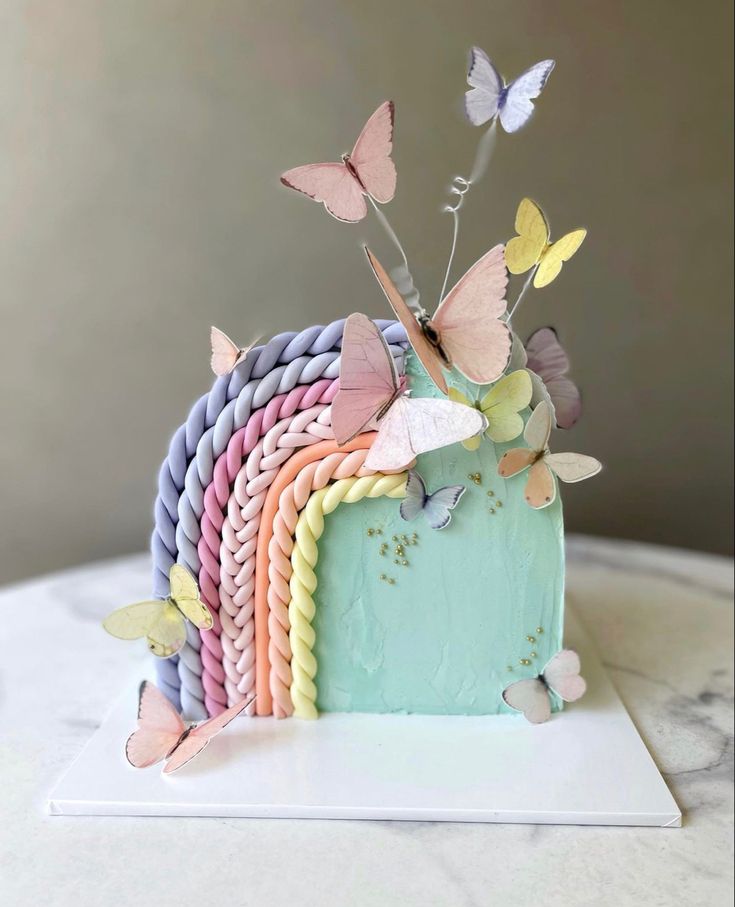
x=663, y=621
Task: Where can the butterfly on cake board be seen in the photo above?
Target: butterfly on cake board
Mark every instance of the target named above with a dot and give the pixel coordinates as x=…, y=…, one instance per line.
x=163, y=735
x=560, y=676
x=542, y=465
x=372, y=396
x=163, y=621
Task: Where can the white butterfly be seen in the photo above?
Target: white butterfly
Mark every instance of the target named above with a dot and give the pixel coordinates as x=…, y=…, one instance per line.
x=489, y=96
x=226, y=354
x=561, y=676
x=435, y=507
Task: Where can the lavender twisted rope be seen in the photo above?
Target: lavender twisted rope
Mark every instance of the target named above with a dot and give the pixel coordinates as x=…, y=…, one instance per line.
x=285, y=361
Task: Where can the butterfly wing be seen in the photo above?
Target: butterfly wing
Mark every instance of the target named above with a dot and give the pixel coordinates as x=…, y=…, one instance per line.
x=185, y=594
x=413, y=503
x=331, y=184
x=524, y=250
x=486, y=86
x=135, y=621
x=367, y=378
x=458, y=397
x=547, y=359
x=199, y=737
x=517, y=105
x=439, y=505
x=514, y=461
x=530, y=697
x=562, y=675
x=540, y=488
x=426, y=353
x=503, y=403
x=467, y=320
x=412, y=427
x=538, y=428
x=371, y=155
x=159, y=728
x=555, y=256
x=573, y=467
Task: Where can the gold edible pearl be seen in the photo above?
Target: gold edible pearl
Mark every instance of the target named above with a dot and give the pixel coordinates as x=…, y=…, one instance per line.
x=475, y=477
x=533, y=655
x=539, y=630
x=391, y=581
x=404, y=563
x=383, y=576
x=499, y=504
x=370, y=532
x=510, y=667
x=491, y=493
x=524, y=661
x=492, y=510
x=531, y=638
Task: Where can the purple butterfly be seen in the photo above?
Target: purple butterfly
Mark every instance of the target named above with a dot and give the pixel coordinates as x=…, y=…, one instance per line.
x=435, y=507
x=547, y=359
x=490, y=97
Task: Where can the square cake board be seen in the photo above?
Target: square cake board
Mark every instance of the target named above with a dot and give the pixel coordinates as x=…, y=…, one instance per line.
x=586, y=766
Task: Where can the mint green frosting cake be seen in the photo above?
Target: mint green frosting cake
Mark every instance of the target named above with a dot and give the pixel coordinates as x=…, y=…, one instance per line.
x=478, y=605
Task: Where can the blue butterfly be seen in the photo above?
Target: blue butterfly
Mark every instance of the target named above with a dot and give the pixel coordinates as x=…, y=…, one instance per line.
x=435, y=507
x=489, y=96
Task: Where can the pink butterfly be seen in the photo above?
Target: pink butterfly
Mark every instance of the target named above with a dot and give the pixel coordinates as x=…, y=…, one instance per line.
x=466, y=331
x=162, y=734
x=371, y=395
x=367, y=170
x=561, y=676
x=226, y=354
x=547, y=359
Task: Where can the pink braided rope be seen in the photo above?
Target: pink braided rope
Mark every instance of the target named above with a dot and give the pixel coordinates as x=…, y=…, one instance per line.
x=291, y=501
x=239, y=538
x=282, y=412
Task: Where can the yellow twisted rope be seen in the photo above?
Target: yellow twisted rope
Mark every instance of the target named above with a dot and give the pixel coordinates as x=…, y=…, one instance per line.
x=304, y=556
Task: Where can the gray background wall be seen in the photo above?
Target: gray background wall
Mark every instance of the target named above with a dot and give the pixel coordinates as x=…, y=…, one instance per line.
x=140, y=148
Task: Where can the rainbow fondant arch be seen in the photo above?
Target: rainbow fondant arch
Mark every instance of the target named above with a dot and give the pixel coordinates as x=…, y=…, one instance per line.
x=276, y=383
x=242, y=500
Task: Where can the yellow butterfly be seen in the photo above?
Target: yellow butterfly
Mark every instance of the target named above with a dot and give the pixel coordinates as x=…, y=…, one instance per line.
x=163, y=621
x=501, y=406
x=533, y=246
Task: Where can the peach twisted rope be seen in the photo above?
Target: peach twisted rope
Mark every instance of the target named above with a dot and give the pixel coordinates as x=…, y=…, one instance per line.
x=239, y=541
x=292, y=500
x=216, y=498
x=301, y=610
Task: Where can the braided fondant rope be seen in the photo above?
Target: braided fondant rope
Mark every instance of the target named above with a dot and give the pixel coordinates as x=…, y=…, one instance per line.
x=312, y=398
x=309, y=529
x=292, y=500
x=286, y=361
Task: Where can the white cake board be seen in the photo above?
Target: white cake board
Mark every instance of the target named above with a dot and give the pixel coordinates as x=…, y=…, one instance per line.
x=586, y=766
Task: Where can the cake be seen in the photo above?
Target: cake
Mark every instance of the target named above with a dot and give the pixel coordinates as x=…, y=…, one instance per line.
x=368, y=511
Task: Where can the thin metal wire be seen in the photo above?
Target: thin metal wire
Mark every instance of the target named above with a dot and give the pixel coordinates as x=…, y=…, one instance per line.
x=525, y=286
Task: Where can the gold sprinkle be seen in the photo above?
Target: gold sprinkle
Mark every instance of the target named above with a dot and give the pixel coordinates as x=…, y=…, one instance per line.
x=492, y=510
x=391, y=581
x=378, y=531
x=404, y=563
x=539, y=630
x=394, y=538
x=531, y=638
x=534, y=655
x=491, y=493
x=524, y=661
x=510, y=667
x=499, y=504
x=475, y=477
x=370, y=532
x=383, y=576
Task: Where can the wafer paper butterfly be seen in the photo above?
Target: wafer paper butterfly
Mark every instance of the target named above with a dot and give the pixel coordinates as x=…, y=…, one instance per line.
x=162, y=734
x=546, y=358
x=436, y=507
x=543, y=465
x=367, y=170
x=371, y=395
x=561, y=676
x=532, y=248
x=226, y=354
x=466, y=331
x=489, y=95
x=501, y=406
x=163, y=621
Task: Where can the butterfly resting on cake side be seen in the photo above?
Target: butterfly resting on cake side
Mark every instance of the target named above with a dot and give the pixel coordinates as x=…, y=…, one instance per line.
x=561, y=676
x=436, y=507
x=163, y=621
